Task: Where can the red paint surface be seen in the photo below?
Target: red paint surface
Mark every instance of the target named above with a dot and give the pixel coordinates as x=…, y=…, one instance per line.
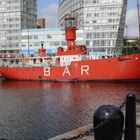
x=119, y=68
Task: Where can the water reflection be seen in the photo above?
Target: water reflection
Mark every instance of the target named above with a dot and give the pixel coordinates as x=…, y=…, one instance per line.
x=39, y=110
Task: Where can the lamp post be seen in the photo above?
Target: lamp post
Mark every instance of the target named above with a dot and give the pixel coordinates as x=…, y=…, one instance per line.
x=28, y=43
x=42, y=43
x=126, y=37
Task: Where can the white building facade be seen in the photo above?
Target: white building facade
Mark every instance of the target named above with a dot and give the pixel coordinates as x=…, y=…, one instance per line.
x=14, y=16
x=102, y=22
x=51, y=38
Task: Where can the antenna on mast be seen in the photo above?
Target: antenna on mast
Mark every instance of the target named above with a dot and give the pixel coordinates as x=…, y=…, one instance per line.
x=138, y=10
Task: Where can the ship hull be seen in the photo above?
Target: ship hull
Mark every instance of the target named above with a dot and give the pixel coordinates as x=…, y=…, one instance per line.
x=109, y=69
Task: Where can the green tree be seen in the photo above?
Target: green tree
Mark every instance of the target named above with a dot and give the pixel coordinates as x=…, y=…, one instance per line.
x=137, y=43
x=131, y=47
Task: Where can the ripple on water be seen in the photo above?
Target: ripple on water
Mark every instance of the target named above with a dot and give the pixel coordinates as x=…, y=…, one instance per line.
x=32, y=110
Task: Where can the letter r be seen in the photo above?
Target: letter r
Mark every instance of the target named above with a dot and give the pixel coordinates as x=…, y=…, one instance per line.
x=85, y=69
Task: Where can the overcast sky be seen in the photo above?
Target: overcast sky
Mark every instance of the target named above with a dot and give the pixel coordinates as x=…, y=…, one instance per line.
x=49, y=8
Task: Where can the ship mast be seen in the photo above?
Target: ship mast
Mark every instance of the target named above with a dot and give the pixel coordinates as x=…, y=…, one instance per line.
x=138, y=10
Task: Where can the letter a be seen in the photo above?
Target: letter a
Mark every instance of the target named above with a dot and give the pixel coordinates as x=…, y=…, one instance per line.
x=66, y=71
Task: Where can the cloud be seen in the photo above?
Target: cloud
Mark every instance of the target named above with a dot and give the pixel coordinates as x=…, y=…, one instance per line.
x=132, y=23
x=50, y=13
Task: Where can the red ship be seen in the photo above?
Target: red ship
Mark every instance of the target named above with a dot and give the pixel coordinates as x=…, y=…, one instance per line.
x=73, y=64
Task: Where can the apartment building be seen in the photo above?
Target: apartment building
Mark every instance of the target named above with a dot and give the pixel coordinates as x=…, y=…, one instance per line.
x=102, y=22
x=14, y=16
